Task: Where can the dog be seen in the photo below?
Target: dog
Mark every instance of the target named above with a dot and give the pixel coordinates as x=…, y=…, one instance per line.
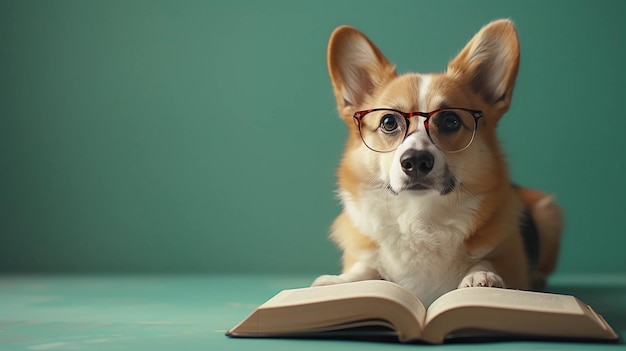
x=426, y=194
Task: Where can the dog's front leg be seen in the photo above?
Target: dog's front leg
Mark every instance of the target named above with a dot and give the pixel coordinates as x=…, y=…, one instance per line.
x=358, y=271
x=482, y=274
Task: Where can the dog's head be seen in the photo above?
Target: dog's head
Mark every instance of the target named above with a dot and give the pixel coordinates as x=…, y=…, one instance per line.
x=424, y=132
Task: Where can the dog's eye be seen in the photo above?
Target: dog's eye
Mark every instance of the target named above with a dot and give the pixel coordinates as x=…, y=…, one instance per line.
x=448, y=122
x=389, y=123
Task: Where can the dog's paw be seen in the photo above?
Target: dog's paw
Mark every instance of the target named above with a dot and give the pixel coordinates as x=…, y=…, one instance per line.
x=482, y=278
x=328, y=280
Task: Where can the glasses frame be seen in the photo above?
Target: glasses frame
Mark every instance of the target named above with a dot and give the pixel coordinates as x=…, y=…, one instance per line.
x=359, y=115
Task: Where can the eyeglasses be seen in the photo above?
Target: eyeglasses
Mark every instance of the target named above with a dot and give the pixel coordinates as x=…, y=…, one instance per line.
x=450, y=129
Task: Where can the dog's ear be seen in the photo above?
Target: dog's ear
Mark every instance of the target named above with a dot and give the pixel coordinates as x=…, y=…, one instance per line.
x=489, y=64
x=356, y=67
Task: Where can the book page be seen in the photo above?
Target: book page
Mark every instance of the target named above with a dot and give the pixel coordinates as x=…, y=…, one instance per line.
x=504, y=299
x=336, y=306
x=368, y=288
x=515, y=312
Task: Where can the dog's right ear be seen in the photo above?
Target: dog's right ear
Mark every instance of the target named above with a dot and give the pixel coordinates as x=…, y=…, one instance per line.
x=357, y=68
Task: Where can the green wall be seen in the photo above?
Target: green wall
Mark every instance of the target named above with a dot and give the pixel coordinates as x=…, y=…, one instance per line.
x=201, y=136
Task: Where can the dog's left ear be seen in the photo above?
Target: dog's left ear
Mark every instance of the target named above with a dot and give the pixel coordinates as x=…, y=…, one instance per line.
x=489, y=64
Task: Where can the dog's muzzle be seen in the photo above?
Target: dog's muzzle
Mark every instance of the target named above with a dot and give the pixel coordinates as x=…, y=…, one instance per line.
x=417, y=164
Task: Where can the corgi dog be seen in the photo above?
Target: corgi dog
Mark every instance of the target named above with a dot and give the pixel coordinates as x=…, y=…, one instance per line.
x=426, y=194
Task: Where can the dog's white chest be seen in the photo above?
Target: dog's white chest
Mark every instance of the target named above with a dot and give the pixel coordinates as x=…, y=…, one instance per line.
x=420, y=240
x=426, y=269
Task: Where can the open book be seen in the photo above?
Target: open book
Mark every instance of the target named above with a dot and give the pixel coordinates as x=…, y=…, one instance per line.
x=470, y=311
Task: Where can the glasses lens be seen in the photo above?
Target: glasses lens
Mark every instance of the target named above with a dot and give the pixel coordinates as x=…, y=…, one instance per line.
x=452, y=130
x=383, y=130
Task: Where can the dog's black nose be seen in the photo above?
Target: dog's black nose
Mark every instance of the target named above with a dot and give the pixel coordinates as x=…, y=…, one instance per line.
x=417, y=163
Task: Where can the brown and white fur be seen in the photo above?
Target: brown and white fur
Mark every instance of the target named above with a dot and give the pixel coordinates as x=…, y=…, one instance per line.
x=435, y=240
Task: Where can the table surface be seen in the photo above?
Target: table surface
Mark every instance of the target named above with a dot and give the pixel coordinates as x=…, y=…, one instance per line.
x=143, y=312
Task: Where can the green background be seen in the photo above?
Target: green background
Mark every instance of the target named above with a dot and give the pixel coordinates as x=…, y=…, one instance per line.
x=202, y=136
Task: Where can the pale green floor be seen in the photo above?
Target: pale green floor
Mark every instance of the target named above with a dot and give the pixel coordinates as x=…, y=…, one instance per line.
x=94, y=312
